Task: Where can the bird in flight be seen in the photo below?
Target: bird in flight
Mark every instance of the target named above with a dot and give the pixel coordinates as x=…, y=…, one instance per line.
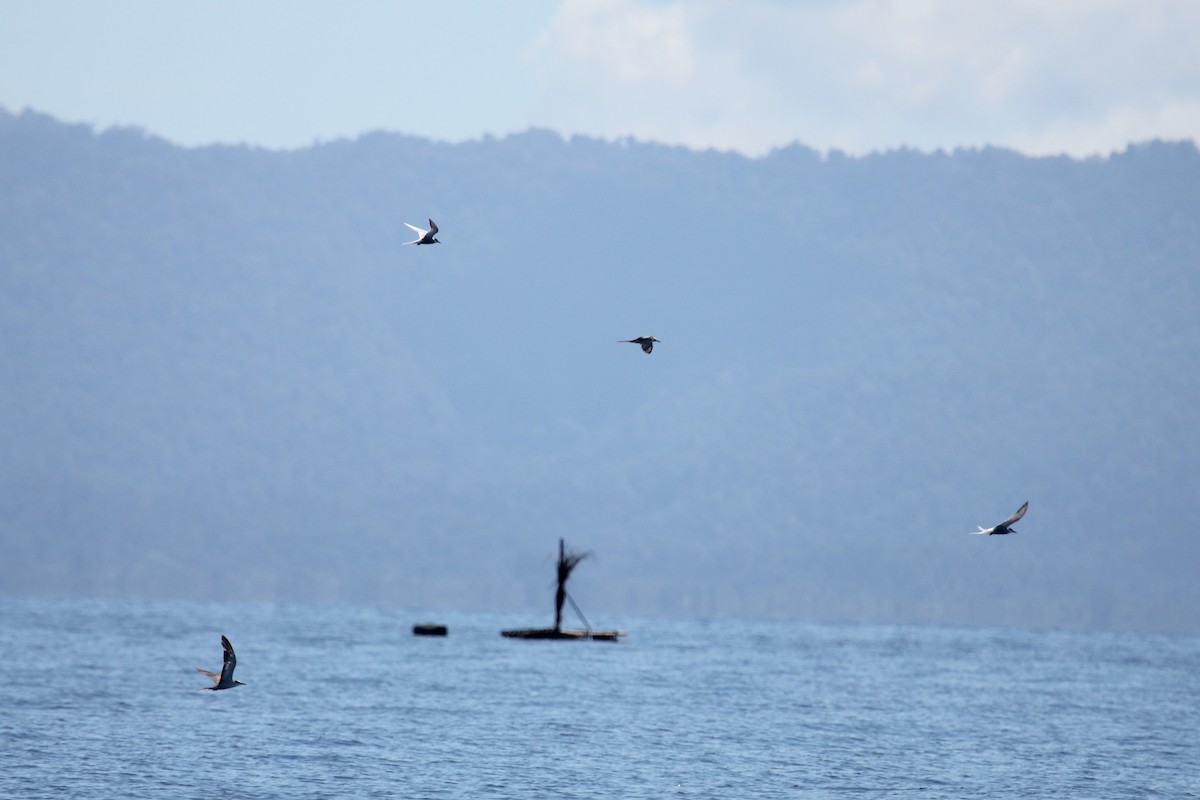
x=425, y=236
x=1004, y=527
x=647, y=343
x=225, y=679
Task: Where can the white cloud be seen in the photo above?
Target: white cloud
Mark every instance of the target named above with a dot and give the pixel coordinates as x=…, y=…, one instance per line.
x=627, y=44
x=1077, y=76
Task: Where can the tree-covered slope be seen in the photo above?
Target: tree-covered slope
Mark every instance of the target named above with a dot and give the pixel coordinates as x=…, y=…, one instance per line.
x=223, y=373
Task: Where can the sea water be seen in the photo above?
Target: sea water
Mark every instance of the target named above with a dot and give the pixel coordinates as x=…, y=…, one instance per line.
x=99, y=699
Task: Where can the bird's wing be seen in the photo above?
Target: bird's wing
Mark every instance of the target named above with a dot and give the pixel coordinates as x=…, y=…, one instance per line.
x=230, y=663
x=418, y=231
x=1020, y=512
x=215, y=677
x=433, y=226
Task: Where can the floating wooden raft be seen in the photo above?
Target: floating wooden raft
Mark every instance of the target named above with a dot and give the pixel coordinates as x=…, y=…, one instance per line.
x=562, y=633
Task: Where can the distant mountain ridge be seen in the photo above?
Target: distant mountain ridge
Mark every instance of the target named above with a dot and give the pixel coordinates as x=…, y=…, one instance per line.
x=224, y=375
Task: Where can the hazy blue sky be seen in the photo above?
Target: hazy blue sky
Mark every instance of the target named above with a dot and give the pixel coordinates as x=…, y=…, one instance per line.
x=1076, y=76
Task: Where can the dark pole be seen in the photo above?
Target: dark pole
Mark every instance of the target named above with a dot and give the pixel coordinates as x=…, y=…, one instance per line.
x=586, y=624
x=561, y=594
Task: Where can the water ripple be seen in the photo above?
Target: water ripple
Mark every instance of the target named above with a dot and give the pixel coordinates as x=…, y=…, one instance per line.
x=344, y=702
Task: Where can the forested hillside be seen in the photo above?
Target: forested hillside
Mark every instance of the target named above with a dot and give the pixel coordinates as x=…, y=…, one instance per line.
x=224, y=375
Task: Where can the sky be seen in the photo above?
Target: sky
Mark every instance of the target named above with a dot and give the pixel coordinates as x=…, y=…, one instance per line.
x=1082, y=77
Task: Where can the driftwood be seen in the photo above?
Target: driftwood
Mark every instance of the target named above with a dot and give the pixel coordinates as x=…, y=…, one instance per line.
x=429, y=629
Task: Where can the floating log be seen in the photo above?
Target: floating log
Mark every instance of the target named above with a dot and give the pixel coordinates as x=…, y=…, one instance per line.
x=562, y=633
x=429, y=629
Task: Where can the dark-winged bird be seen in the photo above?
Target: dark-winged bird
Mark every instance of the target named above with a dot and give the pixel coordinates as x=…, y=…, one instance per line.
x=225, y=679
x=1004, y=527
x=647, y=343
x=425, y=236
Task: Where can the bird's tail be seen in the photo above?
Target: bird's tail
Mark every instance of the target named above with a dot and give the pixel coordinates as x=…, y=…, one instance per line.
x=981, y=530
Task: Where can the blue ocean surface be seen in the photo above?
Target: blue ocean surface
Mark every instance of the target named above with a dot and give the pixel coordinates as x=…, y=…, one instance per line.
x=100, y=699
